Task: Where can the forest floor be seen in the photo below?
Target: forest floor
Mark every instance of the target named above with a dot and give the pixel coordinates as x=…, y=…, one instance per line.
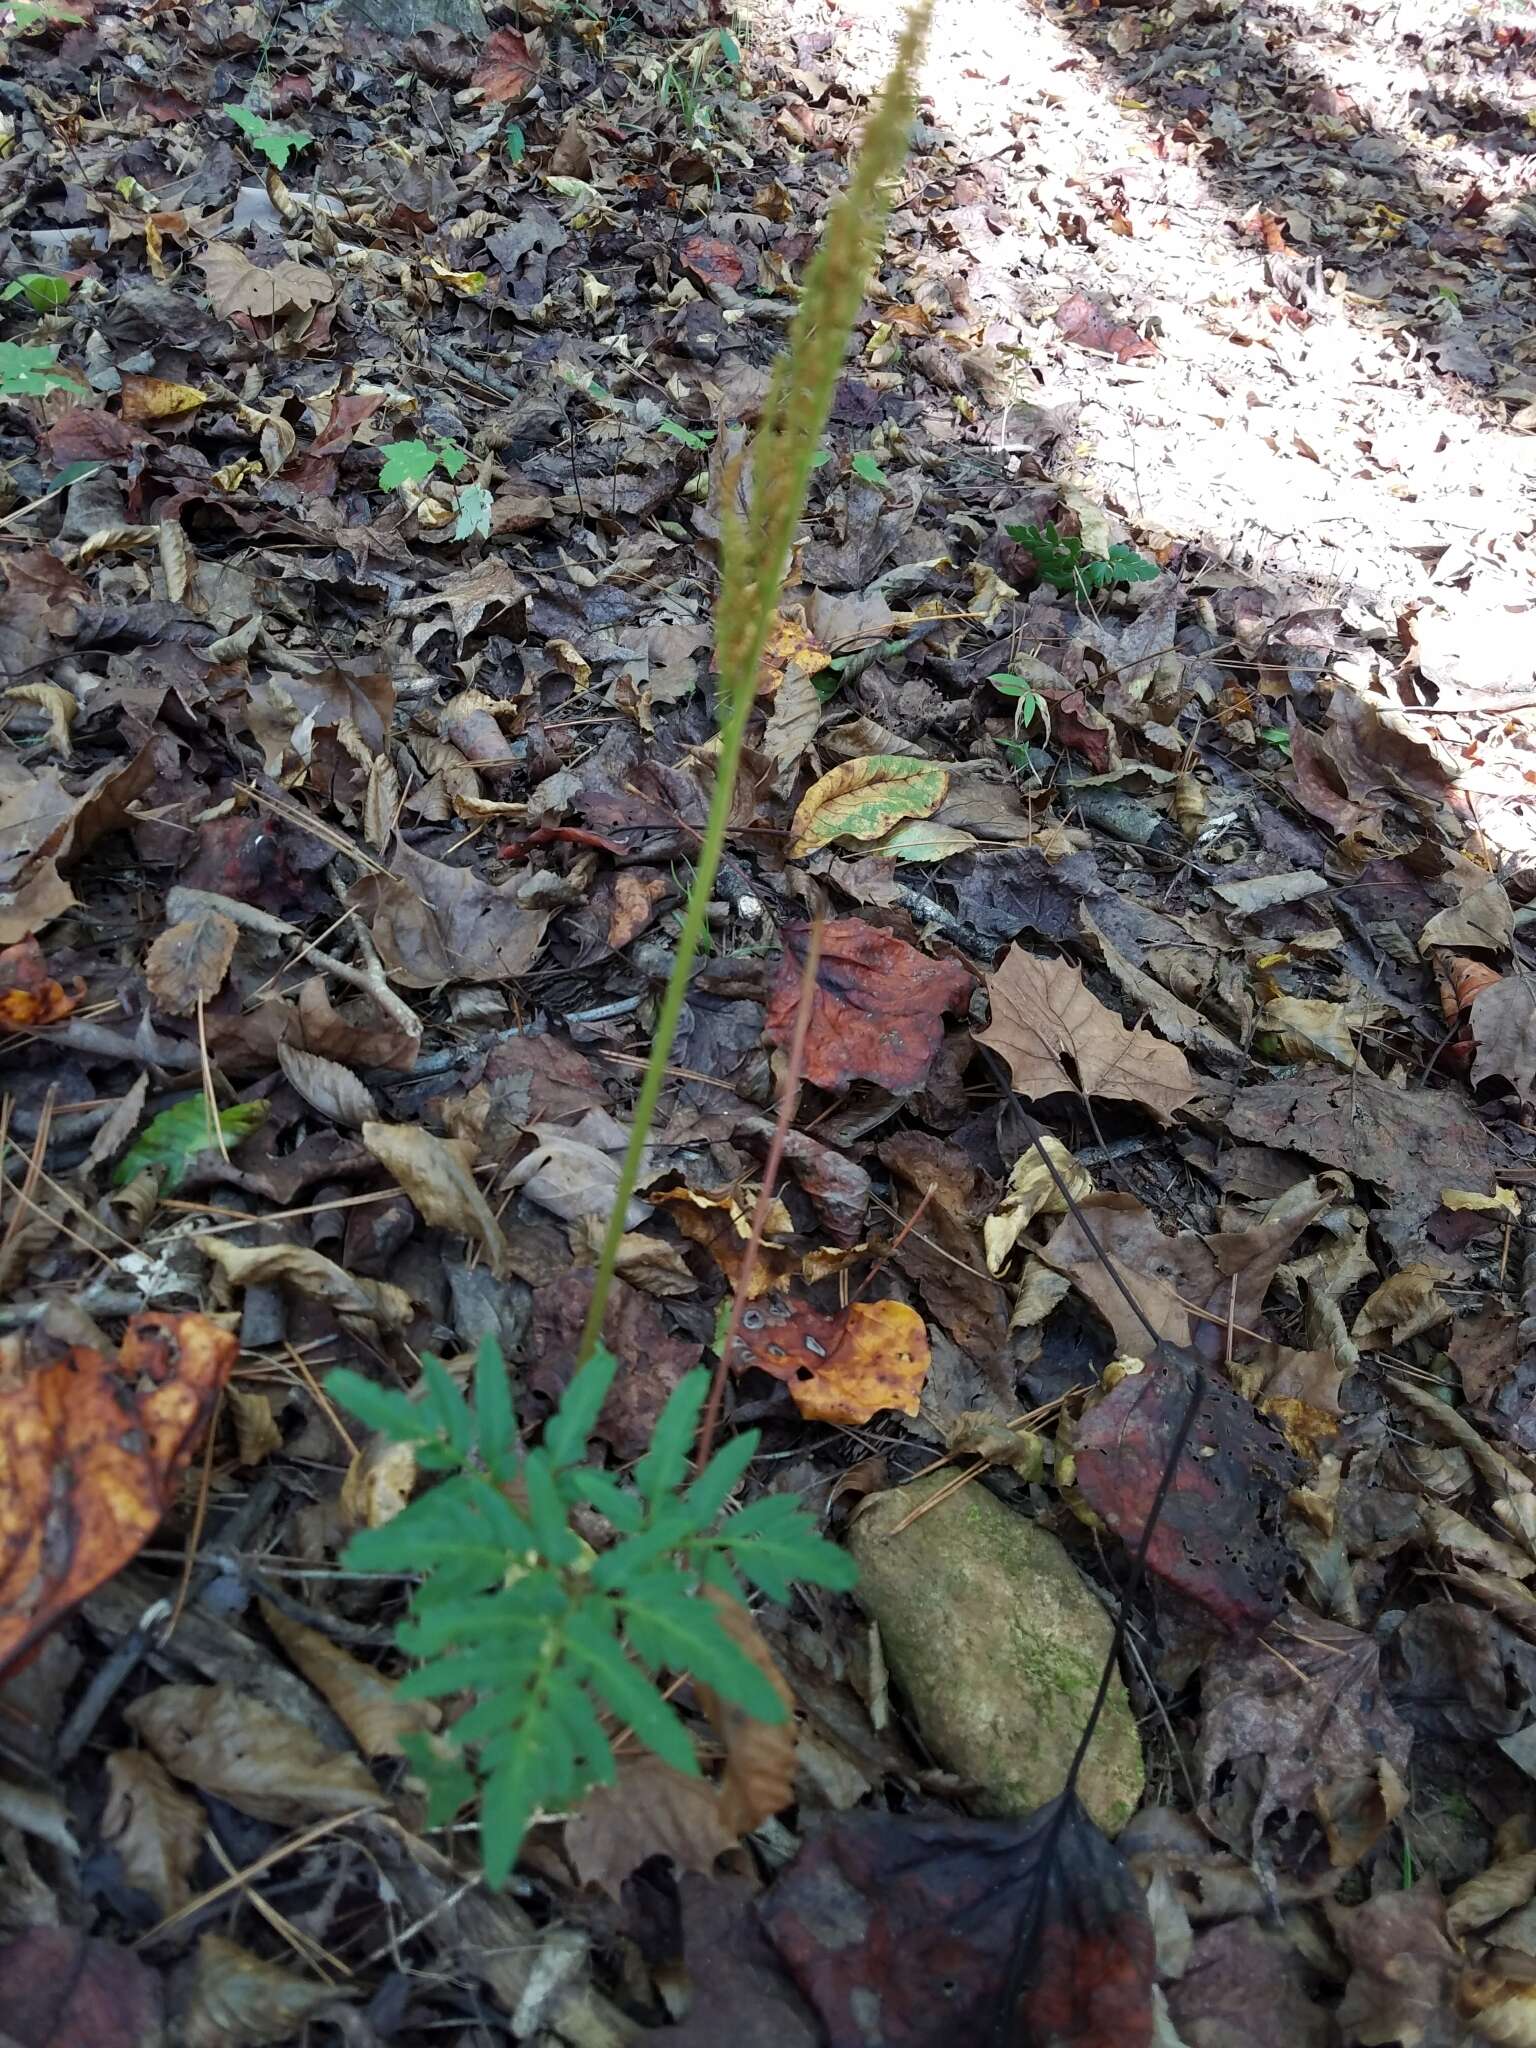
x=367, y=409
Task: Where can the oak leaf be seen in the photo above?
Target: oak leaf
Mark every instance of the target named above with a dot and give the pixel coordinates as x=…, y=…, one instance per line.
x=877, y=1008
x=236, y=286
x=1044, y=1016
x=90, y=1450
x=650, y=1810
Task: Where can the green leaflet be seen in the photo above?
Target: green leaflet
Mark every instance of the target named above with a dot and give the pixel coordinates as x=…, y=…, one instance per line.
x=275, y=144
x=173, y=1139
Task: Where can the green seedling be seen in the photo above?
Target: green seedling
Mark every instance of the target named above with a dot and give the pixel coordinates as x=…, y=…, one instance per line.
x=27, y=372
x=1062, y=561
x=44, y=294
x=1029, y=706
x=275, y=144
x=412, y=462
x=697, y=438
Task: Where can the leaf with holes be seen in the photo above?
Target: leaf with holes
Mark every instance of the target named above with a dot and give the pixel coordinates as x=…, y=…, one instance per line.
x=847, y=1367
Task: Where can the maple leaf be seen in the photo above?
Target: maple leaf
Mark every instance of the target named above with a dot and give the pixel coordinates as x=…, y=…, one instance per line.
x=1043, y=1015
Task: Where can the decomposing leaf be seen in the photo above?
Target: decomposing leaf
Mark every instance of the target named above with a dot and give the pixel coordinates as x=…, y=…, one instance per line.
x=723, y=1225
x=953, y=1915
x=437, y=1176
x=61, y=1989
x=1403, y=1969
x=1044, y=1016
x=360, y=1304
x=650, y=1810
x=1303, y=1761
x=1089, y=326
x=1032, y=1192
x=235, y=2000
x=1504, y=1027
x=759, y=1776
x=90, y=1450
x=863, y=799
x=172, y=1140
x=188, y=962
x=434, y=924
x=876, y=1010
x=1218, y=1539
x=156, y=1829
x=29, y=995
x=238, y=286
x=328, y=1086
x=844, y=1367
x=366, y=1704
x=266, y=1764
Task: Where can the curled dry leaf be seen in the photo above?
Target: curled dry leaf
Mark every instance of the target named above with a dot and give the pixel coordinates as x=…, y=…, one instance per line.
x=188, y=962
x=759, y=1776
x=359, y=1304
x=238, y=2001
x=842, y=1368
x=156, y=1829
x=257, y=1435
x=877, y=1008
x=863, y=799
x=650, y=1810
x=379, y=1483
x=1058, y=1037
x=723, y=1225
x=90, y=1449
x=327, y=1086
x=270, y=1766
x=158, y=398
x=1402, y=1307
x=436, y=1175
x=365, y=1703
x=1032, y=1192
x=29, y=995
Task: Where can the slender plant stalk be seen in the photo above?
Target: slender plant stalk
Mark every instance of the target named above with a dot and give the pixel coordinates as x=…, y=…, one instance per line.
x=755, y=553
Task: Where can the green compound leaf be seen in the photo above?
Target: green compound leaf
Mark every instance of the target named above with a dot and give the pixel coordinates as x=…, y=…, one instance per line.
x=174, y=1139
x=28, y=372
x=406, y=462
x=275, y=144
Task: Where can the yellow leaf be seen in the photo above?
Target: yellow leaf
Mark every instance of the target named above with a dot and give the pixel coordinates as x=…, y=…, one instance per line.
x=157, y=398
x=863, y=799
x=792, y=649
x=1031, y=1192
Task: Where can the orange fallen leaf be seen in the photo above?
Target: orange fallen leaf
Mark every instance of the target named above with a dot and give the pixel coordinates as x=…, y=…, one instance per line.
x=509, y=67
x=90, y=1450
x=840, y=1368
x=877, y=1011
x=29, y=996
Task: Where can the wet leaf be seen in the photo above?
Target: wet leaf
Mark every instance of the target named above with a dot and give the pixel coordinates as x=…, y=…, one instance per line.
x=90, y=1451
x=363, y=1701
x=1057, y=1036
x=877, y=1007
x=956, y=1918
x=188, y=962
x=863, y=799
x=845, y=1367
x=172, y=1140
x=236, y=2000
x=156, y=1829
x=437, y=1177
x=266, y=1764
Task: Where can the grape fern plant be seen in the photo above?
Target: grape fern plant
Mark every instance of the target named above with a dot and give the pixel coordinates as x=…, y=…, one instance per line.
x=547, y=1634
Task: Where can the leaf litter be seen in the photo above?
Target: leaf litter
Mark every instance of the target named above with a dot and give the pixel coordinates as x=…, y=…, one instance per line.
x=346, y=798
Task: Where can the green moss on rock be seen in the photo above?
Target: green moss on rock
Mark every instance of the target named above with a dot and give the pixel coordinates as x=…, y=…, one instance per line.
x=998, y=1643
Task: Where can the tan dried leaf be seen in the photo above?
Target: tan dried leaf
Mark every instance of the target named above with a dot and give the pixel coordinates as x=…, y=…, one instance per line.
x=156, y=1829
x=1031, y=1192
x=264, y=1763
x=257, y=1435
x=759, y=1775
x=1504, y=1026
x=1402, y=1307
x=57, y=705
x=1501, y=1888
x=379, y=1483
x=651, y=1810
x=1483, y=918
x=188, y=962
x=436, y=1175
x=360, y=1304
x=1043, y=1016
x=238, y=286
x=363, y=1701
x=328, y=1086
x=238, y=2001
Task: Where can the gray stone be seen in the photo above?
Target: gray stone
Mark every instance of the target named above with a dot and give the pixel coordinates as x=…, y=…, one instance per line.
x=406, y=18
x=998, y=1644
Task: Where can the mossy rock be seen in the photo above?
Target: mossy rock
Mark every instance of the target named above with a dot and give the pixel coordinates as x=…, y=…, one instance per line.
x=998, y=1644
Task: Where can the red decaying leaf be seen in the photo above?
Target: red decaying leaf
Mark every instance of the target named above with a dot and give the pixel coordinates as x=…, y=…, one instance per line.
x=163, y=103
x=1218, y=1538
x=708, y=261
x=86, y=434
x=844, y=1368
x=90, y=1448
x=1073, y=724
x=509, y=67
x=1089, y=326
x=959, y=1920
x=877, y=1010
x=58, y=1989
x=29, y=996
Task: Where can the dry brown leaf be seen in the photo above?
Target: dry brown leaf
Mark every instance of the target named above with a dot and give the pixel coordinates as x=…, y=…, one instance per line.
x=759, y=1777
x=57, y=705
x=379, y=1483
x=327, y=1086
x=236, y=2000
x=434, y=924
x=1501, y=1888
x=266, y=1764
x=257, y=1435
x=1043, y=1016
x=187, y=963
x=846, y=1367
x=651, y=1810
x=1402, y=1307
x=436, y=1175
x=1307, y=1026
x=362, y=1701
x=363, y=1305
x=156, y=1829
x=238, y=286
x=1504, y=1026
